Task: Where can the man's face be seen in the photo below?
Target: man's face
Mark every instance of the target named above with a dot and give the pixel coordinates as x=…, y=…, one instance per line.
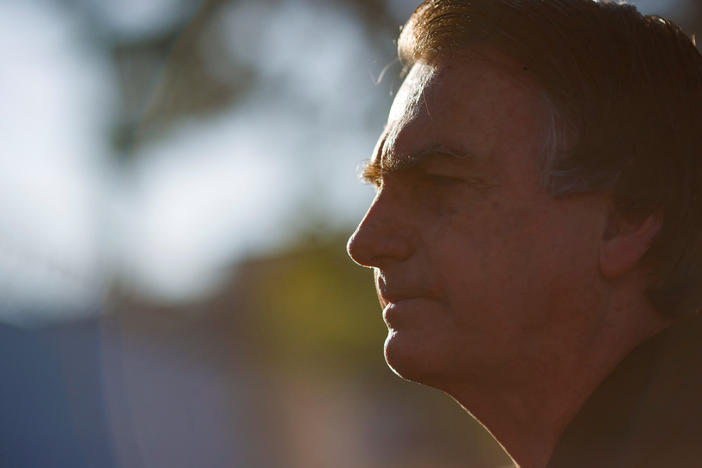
x=481, y=274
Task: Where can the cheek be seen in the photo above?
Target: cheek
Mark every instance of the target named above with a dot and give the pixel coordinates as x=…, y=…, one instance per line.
x=491, y=256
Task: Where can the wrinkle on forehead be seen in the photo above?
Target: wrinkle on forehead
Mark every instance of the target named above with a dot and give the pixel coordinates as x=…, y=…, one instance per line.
x=407, y=101
x=417, y=95
x=408, y=104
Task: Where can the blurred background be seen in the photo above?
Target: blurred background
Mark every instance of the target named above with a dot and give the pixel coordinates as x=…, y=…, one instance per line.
x=178, y=179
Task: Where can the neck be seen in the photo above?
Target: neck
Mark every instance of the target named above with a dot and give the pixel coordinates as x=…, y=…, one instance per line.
x=528, y=422
x=527, y=415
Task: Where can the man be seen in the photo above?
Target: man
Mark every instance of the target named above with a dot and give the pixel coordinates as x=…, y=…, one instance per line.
x=536, y=235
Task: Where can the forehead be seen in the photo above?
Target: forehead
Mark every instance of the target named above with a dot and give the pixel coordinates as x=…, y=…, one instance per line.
x=479, y=103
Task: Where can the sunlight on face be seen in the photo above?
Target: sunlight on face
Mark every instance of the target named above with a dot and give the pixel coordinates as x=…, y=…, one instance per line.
x=470, y=254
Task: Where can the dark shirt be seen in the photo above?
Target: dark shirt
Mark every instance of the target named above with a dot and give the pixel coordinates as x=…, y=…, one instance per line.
x=647, y=413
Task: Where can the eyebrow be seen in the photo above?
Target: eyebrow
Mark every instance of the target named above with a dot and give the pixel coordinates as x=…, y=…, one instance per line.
x=383, y=163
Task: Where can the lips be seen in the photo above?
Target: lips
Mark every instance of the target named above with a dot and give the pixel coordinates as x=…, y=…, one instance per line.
x=393, y=295
x=402, y=314
x=395, y=305
x=394, y=298
x=388, y=297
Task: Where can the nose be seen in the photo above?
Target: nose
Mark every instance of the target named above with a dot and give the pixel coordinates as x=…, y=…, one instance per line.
x=383, y=236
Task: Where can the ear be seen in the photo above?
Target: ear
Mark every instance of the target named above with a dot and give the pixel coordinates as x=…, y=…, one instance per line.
x=625, y=242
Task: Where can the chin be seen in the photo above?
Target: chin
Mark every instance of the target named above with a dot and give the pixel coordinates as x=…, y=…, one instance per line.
x=412, y=361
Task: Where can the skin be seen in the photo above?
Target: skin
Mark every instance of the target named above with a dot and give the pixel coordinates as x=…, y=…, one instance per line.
x=514, y=303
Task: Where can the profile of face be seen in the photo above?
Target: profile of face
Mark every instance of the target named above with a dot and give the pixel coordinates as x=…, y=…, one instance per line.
x=481, y=274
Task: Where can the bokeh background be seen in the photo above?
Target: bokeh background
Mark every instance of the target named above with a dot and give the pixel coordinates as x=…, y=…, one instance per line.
x=178, y=179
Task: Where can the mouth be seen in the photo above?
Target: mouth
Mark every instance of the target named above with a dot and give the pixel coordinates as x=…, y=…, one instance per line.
x=399, y=301
x=399, y=313
x=388, y=298
x=392, y=293
x=395, y=299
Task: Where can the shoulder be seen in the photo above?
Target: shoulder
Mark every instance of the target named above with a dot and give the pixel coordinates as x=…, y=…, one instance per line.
x=647, y=413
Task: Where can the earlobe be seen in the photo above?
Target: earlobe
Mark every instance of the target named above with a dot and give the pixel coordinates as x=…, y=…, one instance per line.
x=624, y=243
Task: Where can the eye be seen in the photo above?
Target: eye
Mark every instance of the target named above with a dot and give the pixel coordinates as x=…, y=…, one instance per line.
x=438, y=180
